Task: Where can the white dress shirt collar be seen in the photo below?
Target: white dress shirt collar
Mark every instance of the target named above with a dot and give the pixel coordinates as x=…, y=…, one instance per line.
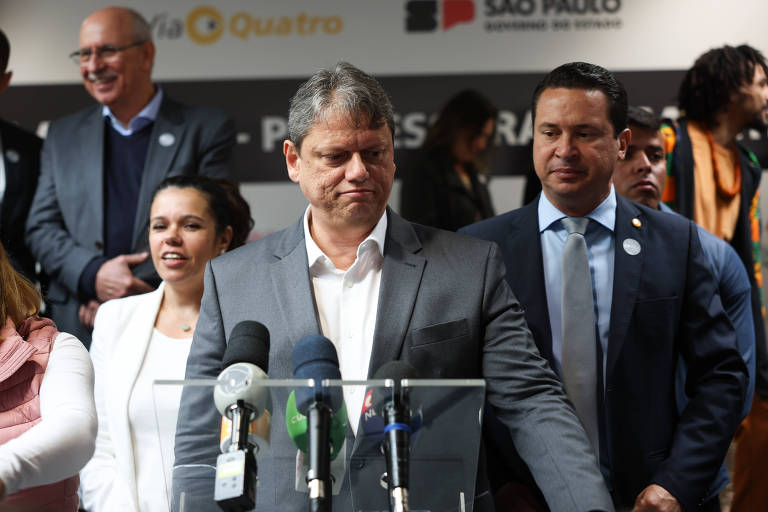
x=316, y=256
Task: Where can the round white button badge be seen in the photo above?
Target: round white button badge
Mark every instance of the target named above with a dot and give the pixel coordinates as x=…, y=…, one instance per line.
x=631, y=246
x=166, y=139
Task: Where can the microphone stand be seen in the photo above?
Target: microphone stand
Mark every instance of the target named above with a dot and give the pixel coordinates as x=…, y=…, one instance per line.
x=319, y=473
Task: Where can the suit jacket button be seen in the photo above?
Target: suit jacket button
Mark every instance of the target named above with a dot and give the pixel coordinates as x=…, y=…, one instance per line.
x=358, y=464
x=98, y=245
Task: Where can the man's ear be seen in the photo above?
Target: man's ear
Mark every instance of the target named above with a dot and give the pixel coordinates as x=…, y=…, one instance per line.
x=148, y=55
x=292, y=160
x=624, y=137
x=5, y=80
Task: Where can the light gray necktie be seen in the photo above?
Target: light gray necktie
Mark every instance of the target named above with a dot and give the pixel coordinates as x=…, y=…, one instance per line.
x=579, y=356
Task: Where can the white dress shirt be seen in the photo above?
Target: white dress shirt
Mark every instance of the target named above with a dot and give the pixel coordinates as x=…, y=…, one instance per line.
x=347, y=302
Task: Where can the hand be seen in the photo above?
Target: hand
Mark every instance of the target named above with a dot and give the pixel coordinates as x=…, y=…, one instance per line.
x=87, y=313
x=655, y=498
x=114, y=278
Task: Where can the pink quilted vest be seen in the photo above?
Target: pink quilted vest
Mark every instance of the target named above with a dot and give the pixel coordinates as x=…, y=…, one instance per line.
x=23, y=359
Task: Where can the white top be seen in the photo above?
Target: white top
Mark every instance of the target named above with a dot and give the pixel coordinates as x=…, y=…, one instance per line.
x=62, y=442
x=347, y=302
x=152, y=415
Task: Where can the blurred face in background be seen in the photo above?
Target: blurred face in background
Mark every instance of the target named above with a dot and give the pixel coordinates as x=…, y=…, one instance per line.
x=752, y=100
x=641, y=175
x=182, y=235
x=470, y=146
x=116, y=79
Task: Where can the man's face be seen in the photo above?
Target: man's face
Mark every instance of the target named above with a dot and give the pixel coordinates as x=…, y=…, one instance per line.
x=753, y=100
x=641, y=175
x=345, y=170
x=574, y=150
x=113, y=82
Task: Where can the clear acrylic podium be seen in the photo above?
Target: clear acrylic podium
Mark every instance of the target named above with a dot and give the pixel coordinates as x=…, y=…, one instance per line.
x=446, y=417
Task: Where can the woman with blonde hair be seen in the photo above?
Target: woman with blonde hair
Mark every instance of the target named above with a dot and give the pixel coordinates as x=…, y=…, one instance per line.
x=47, y=413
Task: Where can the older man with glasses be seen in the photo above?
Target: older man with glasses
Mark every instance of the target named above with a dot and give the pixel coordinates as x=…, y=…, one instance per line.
x=89, y=217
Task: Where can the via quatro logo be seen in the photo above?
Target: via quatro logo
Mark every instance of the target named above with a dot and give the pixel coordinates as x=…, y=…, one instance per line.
x=425, y=15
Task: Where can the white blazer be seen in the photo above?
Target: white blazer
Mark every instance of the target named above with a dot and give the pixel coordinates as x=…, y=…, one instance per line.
x=121, y=334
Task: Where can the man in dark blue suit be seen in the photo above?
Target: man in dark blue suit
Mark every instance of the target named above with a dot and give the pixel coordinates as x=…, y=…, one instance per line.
x=654, y=299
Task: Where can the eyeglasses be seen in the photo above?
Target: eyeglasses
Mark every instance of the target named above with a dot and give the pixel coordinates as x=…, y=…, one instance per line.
x=106, y=52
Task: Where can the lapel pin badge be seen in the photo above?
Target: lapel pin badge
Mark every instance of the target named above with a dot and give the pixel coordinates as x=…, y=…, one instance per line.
x=636, y=222
x=166, y=139
x=631, y=246
x=12, y=155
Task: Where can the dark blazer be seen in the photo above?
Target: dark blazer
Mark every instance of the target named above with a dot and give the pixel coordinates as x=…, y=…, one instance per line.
x=21, y=158
x=65, y=228
x=664, y=304
x=467, y=326
x=433, y=194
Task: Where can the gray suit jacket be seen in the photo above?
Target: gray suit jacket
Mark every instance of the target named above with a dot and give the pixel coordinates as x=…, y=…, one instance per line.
x=65, y=227
x=444, y=307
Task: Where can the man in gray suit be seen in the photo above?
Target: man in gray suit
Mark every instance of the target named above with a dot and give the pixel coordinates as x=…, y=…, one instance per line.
x=88, y=221
x=382, y=289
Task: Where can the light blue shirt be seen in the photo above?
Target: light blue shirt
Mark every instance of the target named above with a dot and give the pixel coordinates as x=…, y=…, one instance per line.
x=146, y=116
x=600, y=245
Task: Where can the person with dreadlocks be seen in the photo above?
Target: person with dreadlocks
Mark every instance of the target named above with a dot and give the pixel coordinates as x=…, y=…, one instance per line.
x=714, y=180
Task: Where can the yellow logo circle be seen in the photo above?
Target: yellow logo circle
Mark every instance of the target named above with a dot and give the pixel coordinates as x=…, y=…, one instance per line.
x=205, y=24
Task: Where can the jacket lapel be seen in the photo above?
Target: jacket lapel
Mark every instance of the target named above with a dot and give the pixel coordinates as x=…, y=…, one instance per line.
x=164, y=142
x=90, y=165
x=526, y=274
x=626, y=277
x=125, y=364
x=291, y=284
x=400, y=280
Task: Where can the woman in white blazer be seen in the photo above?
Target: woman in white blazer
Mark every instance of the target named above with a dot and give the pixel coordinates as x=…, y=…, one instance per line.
x=139, y=339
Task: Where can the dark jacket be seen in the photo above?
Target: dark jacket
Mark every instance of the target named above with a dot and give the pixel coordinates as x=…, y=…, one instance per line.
x=433, y=194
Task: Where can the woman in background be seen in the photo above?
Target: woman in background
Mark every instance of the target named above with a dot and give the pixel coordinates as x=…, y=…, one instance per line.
x=47, y=415
x=145, y=337
x=448, y=188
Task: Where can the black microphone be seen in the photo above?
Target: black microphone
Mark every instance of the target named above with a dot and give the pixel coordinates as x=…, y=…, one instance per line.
x=242, y=401
x=314, y=357
x=396, y=413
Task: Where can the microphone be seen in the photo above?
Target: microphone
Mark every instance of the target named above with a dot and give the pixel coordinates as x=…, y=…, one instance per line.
x=296, y=423
x=246, y=407
x=314, y=357
x=398, y=427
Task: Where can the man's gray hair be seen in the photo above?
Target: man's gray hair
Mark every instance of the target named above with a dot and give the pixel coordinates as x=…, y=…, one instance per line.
x=344, y=90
